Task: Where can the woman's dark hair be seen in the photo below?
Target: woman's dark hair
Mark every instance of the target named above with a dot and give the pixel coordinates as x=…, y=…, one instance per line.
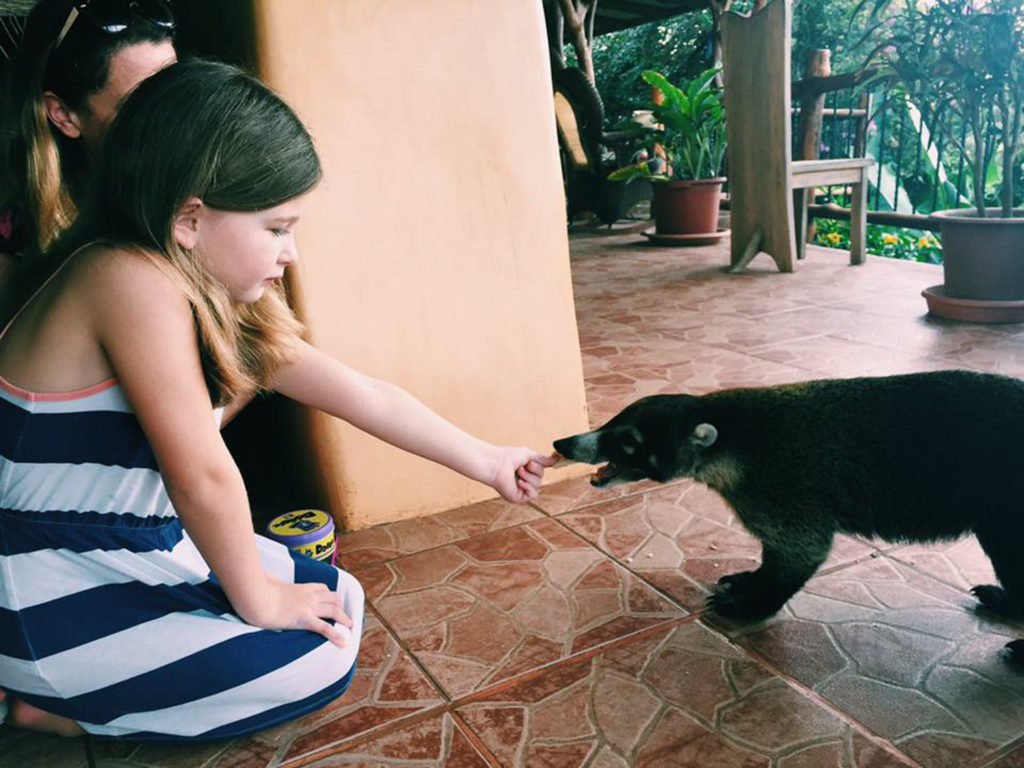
x=42, y=171
x=197, y=129
x=203, y=130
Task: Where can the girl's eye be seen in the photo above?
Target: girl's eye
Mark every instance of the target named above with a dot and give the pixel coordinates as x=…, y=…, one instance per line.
x=278, y=232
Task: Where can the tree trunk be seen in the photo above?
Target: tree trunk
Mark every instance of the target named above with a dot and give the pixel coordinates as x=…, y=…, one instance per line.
x=575, y=15
x=979, y=162
x=819, y=64
x=556, y=32
x=1011, y=112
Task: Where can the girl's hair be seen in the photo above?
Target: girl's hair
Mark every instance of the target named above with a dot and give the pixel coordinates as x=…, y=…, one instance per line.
x=206, y=130
x=42, y=172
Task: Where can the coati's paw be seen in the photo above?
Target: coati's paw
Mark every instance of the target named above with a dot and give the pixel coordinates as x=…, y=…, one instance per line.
x=743, y=579
x=997, y=600
x=1015, y=653
x=738, y=597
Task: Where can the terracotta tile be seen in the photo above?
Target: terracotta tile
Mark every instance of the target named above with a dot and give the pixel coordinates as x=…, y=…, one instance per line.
x=438, y=741
x=178, y=755
x=904, y=654
x=499, y=605
x=387, y=686
x=106, y=749
x=682, y=539
x=247, y=753
x=1012, y=759
x=677, y=697
x=386, y=542
x=578, y=492
x=831, y=357
x=961, y=563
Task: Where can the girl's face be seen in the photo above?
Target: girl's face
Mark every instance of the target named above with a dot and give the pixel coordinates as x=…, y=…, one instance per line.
x=248, y=251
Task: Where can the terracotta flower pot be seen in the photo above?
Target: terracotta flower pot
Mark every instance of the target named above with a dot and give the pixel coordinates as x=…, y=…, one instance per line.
x=983, y=266
x=687, y=207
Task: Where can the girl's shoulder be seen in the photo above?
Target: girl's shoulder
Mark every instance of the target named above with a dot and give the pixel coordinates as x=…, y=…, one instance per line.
x=114, y=279
x=116, y=268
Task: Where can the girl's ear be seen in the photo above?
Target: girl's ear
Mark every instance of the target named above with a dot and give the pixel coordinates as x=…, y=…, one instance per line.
x=64, y=119
x=185, y=227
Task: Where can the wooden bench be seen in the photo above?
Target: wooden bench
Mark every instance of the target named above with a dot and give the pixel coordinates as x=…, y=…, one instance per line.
x=764, y=180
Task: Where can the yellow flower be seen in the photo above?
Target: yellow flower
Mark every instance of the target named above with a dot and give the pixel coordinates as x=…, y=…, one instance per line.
x=834, y=237
x=890, y=239
x=927, y=242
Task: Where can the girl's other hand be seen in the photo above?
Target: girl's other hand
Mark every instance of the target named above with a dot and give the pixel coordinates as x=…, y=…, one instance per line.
x=519, y=473
x=301, y=606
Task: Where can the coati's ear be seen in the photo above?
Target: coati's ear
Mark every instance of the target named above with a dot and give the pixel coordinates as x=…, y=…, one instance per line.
x=704, y=435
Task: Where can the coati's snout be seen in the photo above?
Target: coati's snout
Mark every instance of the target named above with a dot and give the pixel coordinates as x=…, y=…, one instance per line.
x=638, y=444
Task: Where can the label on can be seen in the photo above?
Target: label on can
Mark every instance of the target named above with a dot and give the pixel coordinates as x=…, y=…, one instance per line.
x=307, y=531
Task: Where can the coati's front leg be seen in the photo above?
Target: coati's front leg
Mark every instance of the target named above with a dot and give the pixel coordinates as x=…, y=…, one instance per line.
x=1001, y=542
x=788, y=559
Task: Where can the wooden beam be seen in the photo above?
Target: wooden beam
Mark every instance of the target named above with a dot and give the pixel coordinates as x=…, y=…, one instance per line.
x=888, y=218
x=815, y=85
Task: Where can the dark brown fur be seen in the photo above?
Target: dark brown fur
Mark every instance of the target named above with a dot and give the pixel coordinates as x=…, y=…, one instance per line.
x=922, y=457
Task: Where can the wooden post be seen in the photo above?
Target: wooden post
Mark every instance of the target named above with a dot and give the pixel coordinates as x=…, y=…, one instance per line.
x=819, y=64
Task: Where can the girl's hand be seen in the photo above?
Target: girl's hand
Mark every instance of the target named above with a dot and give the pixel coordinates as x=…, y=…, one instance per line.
x=519, y=472
x=301, y=606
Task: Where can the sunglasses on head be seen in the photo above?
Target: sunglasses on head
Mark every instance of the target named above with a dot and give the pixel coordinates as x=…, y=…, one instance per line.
x=115, y=16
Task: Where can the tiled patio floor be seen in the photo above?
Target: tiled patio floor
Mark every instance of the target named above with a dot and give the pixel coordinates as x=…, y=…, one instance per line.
x=570, y=632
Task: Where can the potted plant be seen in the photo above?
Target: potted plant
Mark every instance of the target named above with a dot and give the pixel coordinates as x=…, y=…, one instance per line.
x=689, y=124
x=967, y=56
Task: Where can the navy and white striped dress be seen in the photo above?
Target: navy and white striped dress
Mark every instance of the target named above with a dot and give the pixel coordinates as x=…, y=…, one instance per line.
x=109, y=614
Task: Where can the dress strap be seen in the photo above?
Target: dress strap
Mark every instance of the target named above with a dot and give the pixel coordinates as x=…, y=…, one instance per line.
x=39, y=290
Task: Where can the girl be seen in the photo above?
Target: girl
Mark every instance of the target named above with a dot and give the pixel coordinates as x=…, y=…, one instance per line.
x=75, y=64
x=134, y=598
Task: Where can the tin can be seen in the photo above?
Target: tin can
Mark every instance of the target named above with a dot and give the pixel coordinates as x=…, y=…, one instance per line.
x=308, y=532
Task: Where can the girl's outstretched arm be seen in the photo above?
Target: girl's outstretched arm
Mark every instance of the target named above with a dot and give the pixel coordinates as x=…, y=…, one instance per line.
x=144, y=325
x=392, y=414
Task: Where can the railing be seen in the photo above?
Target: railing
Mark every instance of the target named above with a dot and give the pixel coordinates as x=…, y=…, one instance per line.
x=920, y=167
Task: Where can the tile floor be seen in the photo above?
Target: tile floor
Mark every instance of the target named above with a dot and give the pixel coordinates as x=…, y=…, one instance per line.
x=570, y=632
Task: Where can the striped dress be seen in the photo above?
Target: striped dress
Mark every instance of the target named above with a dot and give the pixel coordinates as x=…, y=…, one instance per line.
x=109, y=614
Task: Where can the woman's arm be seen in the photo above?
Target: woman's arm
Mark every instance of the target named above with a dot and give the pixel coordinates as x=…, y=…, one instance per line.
x=393, y=415
x=144, y=325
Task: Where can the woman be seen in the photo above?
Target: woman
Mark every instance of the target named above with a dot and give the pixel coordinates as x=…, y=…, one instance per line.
x=75, y=65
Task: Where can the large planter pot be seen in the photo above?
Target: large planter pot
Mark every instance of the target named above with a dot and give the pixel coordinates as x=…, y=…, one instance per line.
x=983, y=266
x=687, y=207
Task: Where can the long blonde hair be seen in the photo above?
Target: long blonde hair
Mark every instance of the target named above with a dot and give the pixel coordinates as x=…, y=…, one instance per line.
x=204, y=130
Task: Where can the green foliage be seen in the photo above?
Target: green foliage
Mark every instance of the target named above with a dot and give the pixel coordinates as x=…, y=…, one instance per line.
x=678, y=47
x=965, y=57
x=691, y=129
x=891, y=242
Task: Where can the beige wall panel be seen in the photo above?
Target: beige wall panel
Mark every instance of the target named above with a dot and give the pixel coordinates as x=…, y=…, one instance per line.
x=434, y=254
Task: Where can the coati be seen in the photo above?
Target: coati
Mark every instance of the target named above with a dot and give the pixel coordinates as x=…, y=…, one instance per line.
x=921, y=457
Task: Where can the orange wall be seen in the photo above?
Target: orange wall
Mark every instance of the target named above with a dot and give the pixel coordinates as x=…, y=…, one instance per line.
x=434, y=254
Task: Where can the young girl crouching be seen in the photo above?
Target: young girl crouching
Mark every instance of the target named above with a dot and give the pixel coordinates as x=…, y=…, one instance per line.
x=135, y=600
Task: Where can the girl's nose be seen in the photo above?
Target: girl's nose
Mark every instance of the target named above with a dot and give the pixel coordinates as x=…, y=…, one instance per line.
x=288, y=256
